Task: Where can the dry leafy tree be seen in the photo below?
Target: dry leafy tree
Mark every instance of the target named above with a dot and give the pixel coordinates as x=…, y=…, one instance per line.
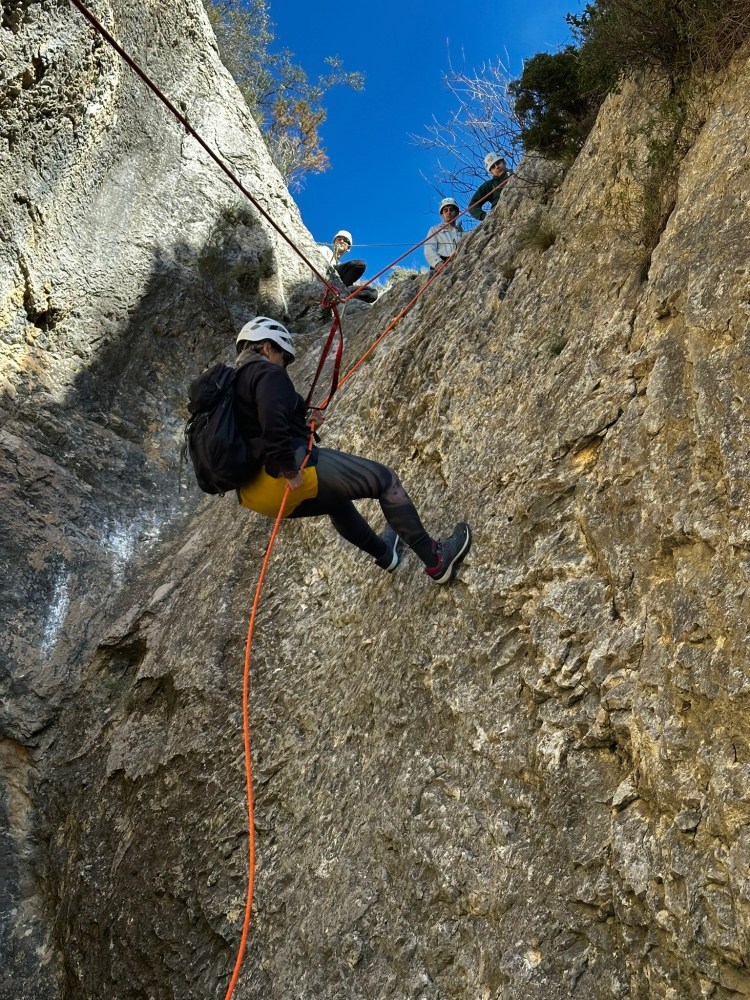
x=483, y=120
x=286, y=104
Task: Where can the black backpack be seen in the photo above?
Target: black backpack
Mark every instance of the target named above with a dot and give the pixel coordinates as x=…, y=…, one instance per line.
x=221, y=457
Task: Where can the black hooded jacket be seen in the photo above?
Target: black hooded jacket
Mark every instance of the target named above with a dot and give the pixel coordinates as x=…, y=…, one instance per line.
x=270, y=413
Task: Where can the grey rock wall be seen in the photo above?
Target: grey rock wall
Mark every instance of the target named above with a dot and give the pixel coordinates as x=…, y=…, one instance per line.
x=106, y=208
x=532, y=783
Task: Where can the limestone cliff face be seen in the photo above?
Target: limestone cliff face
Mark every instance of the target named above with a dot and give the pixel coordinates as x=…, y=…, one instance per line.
x=532, y=783
x=106, y=209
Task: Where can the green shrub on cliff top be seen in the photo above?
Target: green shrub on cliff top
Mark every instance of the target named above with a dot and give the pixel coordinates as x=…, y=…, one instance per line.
x=676, y=38
x=557, y=96
x=549, y=100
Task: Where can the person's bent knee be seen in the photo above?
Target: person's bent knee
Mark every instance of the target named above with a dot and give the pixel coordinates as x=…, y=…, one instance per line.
x=394, y=491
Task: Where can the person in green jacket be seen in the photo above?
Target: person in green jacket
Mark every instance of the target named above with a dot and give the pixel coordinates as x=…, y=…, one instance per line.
x=491, y=190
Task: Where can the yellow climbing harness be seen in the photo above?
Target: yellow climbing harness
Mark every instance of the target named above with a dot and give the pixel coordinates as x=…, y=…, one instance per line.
x=264, y=493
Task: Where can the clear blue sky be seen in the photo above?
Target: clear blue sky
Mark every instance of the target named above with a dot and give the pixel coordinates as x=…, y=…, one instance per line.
x=375, y=186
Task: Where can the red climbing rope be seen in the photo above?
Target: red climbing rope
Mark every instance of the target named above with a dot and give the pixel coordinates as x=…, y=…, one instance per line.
x=396, y=319
x=390, y=326
x=332, y=298
x=415, y=247
x=99, y=27
x=336, y=328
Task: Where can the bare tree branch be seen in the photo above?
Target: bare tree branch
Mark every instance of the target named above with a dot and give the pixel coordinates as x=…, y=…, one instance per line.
x=482, y=121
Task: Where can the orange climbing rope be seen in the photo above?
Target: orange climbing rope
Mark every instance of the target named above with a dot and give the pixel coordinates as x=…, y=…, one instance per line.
x=248, y=757
x=246, y=733
x=331, y=299
x=248, y=644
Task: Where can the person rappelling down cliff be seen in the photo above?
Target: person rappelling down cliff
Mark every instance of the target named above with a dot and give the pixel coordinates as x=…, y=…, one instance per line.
x=272, y=418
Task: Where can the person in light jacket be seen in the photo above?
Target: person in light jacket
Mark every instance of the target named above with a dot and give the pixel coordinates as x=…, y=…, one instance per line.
x=442, y=239
x=350, y=271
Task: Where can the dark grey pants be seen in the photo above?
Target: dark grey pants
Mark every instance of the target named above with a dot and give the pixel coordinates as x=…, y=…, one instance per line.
x=343, y=478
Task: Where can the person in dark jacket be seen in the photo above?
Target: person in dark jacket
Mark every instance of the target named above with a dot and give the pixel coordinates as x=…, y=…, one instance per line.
x=491, y=190
x=272, y=417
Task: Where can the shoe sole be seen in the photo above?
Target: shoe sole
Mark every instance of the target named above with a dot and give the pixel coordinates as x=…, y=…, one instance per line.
x=395, y=549
x=450, y=569
x=396, y=556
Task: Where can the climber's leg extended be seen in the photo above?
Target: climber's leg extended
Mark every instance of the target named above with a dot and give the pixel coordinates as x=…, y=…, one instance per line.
x=343, y=478
x=350, y=524
x=351, y=271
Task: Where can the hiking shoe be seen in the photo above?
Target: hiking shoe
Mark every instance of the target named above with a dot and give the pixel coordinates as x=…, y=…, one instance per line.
x=392, y=556
x=450, y=552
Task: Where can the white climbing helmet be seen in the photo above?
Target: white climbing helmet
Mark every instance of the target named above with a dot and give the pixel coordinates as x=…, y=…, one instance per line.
x=345, y=234
x=262, y=328
x=491, y=159
x=449, y=203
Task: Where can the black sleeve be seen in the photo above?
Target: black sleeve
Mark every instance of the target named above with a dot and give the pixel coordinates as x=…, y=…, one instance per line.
x=276, y=399
x=477, y=200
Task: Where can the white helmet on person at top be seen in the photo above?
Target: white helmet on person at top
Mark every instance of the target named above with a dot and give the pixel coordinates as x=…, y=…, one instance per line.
x=263, y=328
x=491, y=159
x=344, y=234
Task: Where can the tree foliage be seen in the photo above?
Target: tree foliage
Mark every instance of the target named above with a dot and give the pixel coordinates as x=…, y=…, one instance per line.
x=557, y=96
x=676, y=38
x=287, y=106
x=549, y=100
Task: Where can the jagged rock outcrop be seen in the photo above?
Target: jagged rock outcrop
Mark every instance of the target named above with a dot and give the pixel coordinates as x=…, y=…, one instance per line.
x=532, y=783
